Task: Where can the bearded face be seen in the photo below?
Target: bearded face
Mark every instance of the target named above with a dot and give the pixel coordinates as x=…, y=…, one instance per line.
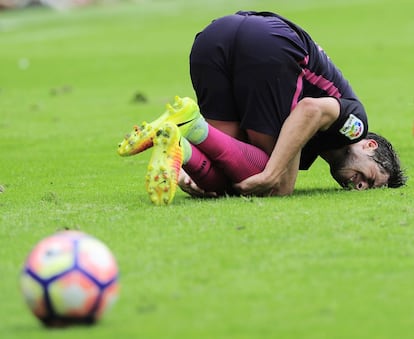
x=356, y=169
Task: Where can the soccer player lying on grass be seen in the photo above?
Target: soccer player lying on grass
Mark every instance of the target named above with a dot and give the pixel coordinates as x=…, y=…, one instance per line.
x=261, y=79
x=220, y=164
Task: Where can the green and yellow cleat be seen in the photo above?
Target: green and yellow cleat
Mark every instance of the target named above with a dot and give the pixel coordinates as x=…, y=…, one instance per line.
x=165, y=164
x=184, y=112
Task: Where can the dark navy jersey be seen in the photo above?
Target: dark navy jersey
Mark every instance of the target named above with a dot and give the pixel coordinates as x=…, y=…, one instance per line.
x=254, y=67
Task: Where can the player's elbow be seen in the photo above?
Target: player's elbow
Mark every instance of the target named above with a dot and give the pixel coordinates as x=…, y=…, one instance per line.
x=319, y=113
x=309, y=109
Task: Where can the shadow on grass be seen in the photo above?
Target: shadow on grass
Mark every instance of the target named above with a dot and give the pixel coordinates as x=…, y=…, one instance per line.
x=305, y=192
x=318, y=191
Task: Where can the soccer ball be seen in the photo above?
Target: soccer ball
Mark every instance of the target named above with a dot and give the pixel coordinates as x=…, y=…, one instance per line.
x=69, y=278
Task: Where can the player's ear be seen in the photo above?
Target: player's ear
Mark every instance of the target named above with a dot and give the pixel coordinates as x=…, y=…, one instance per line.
x=370, y=144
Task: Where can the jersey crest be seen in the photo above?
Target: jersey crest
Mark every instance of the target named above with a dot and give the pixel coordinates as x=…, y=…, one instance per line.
x=352, y=128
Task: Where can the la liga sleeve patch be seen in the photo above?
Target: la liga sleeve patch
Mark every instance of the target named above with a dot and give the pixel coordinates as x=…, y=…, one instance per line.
x=352, y=128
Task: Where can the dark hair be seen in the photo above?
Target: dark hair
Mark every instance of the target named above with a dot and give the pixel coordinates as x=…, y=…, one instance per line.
x=386, y=157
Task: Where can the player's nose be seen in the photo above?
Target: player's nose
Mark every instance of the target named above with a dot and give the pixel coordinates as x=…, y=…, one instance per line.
x=361, y=185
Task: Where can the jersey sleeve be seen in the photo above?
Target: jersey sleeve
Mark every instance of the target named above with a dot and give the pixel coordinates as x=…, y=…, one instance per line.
x=350, y=127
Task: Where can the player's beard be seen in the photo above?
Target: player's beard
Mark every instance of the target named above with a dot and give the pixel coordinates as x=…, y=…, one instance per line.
x=341, y=165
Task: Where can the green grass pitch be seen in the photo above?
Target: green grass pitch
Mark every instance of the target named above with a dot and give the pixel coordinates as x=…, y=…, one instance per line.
x=323, y=263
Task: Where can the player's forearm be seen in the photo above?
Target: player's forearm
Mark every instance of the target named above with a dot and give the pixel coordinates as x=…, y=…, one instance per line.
x=301, y=125
x=279, y=175
x=287, y=182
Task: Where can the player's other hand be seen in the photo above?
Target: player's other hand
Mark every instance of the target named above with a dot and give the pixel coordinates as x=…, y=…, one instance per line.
x=189, y=186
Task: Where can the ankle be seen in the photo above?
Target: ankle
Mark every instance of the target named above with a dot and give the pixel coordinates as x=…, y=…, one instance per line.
x=186, y=149
x=198, y=131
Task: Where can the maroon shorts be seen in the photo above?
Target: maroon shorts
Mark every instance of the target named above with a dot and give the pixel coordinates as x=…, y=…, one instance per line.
x=245, y=68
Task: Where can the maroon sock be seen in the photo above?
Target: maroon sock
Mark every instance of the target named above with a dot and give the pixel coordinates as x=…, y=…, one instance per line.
x=238, y=160
x=204, y=174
